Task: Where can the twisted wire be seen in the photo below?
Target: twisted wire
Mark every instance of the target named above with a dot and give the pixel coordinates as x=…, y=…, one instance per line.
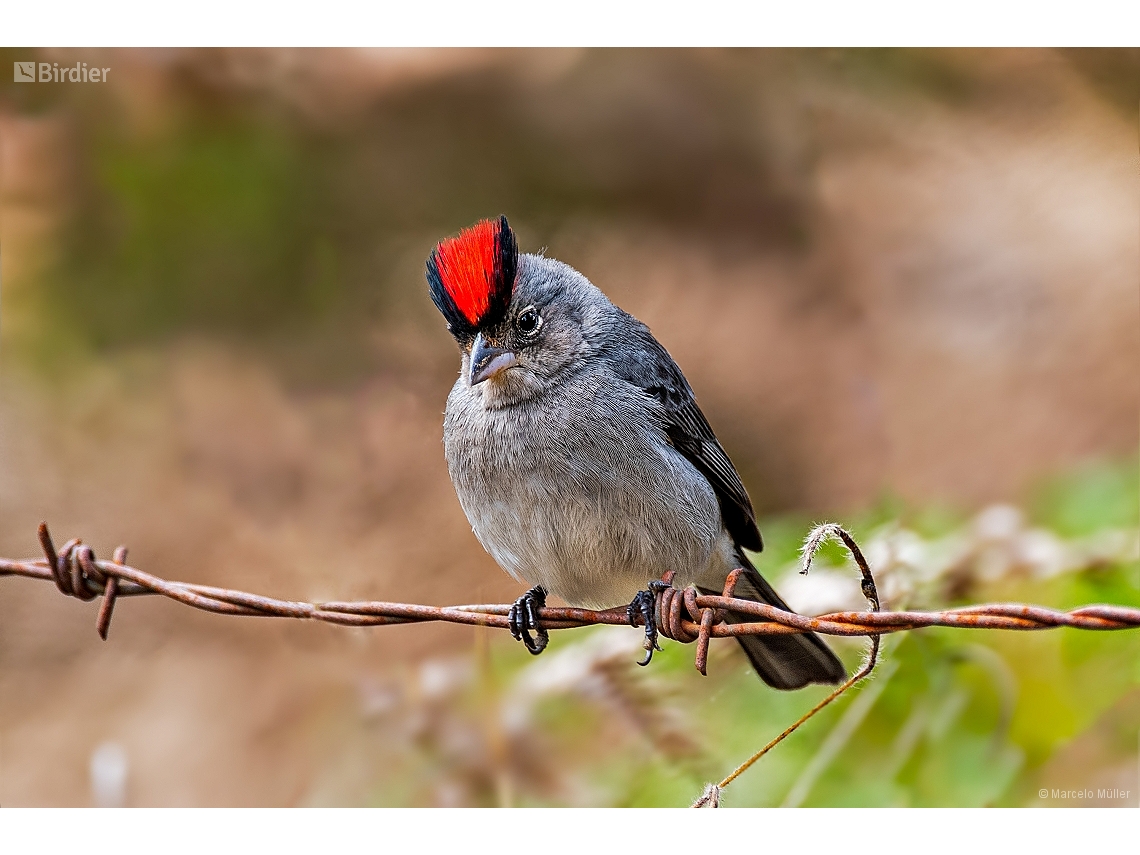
x=686, y=616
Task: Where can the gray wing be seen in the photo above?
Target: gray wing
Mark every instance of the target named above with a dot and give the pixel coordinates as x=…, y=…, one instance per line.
x=782, y=661
x=643, y=362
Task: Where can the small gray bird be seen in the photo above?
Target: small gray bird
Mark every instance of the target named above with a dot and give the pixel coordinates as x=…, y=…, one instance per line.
x=579, y=454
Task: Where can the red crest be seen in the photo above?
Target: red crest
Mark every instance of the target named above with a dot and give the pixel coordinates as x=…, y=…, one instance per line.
x=471, y=276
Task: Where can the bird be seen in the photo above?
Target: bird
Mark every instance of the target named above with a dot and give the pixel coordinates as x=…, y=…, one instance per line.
x=579, y=454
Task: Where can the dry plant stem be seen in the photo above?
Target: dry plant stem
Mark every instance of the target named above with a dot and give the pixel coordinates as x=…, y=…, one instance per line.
x=103, y=622
x=872, y=660
x=711, y=796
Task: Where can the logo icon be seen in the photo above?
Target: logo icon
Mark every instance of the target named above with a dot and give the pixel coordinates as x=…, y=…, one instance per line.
x=24, y=72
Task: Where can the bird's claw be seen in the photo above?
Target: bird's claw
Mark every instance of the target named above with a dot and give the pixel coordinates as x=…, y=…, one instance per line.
x=523, y=617
x=643, y=611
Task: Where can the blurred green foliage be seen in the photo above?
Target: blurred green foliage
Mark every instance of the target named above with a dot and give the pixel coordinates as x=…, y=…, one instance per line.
x=217, y=227
x=1099, y=495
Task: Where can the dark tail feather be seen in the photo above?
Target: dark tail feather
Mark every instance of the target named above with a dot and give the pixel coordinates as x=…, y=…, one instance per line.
x=784, y=661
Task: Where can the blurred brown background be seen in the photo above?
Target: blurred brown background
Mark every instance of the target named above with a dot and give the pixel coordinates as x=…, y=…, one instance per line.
x=885, y=273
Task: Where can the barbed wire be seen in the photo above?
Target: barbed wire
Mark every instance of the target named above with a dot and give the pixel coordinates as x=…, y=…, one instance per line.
x=686, y=616
x=682, y=615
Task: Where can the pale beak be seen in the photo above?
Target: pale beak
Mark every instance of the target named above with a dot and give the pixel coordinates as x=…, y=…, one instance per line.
x=487, y=361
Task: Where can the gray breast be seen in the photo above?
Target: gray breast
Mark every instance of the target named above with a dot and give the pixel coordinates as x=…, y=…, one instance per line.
x=589, y=507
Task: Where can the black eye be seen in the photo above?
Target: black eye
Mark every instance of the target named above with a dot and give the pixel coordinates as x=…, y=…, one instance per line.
x=528, y=321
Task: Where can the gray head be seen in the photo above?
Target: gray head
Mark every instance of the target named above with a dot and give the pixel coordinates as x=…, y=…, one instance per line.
x=521, y=321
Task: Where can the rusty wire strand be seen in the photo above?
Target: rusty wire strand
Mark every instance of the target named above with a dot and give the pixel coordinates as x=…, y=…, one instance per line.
x=77, y=572
x=686, y=616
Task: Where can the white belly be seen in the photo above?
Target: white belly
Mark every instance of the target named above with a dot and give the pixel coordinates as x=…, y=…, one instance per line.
x=587, y=510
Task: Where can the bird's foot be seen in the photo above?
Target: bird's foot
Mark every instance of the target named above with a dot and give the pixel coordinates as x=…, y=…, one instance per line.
x=523, y=618
x=643, y=611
